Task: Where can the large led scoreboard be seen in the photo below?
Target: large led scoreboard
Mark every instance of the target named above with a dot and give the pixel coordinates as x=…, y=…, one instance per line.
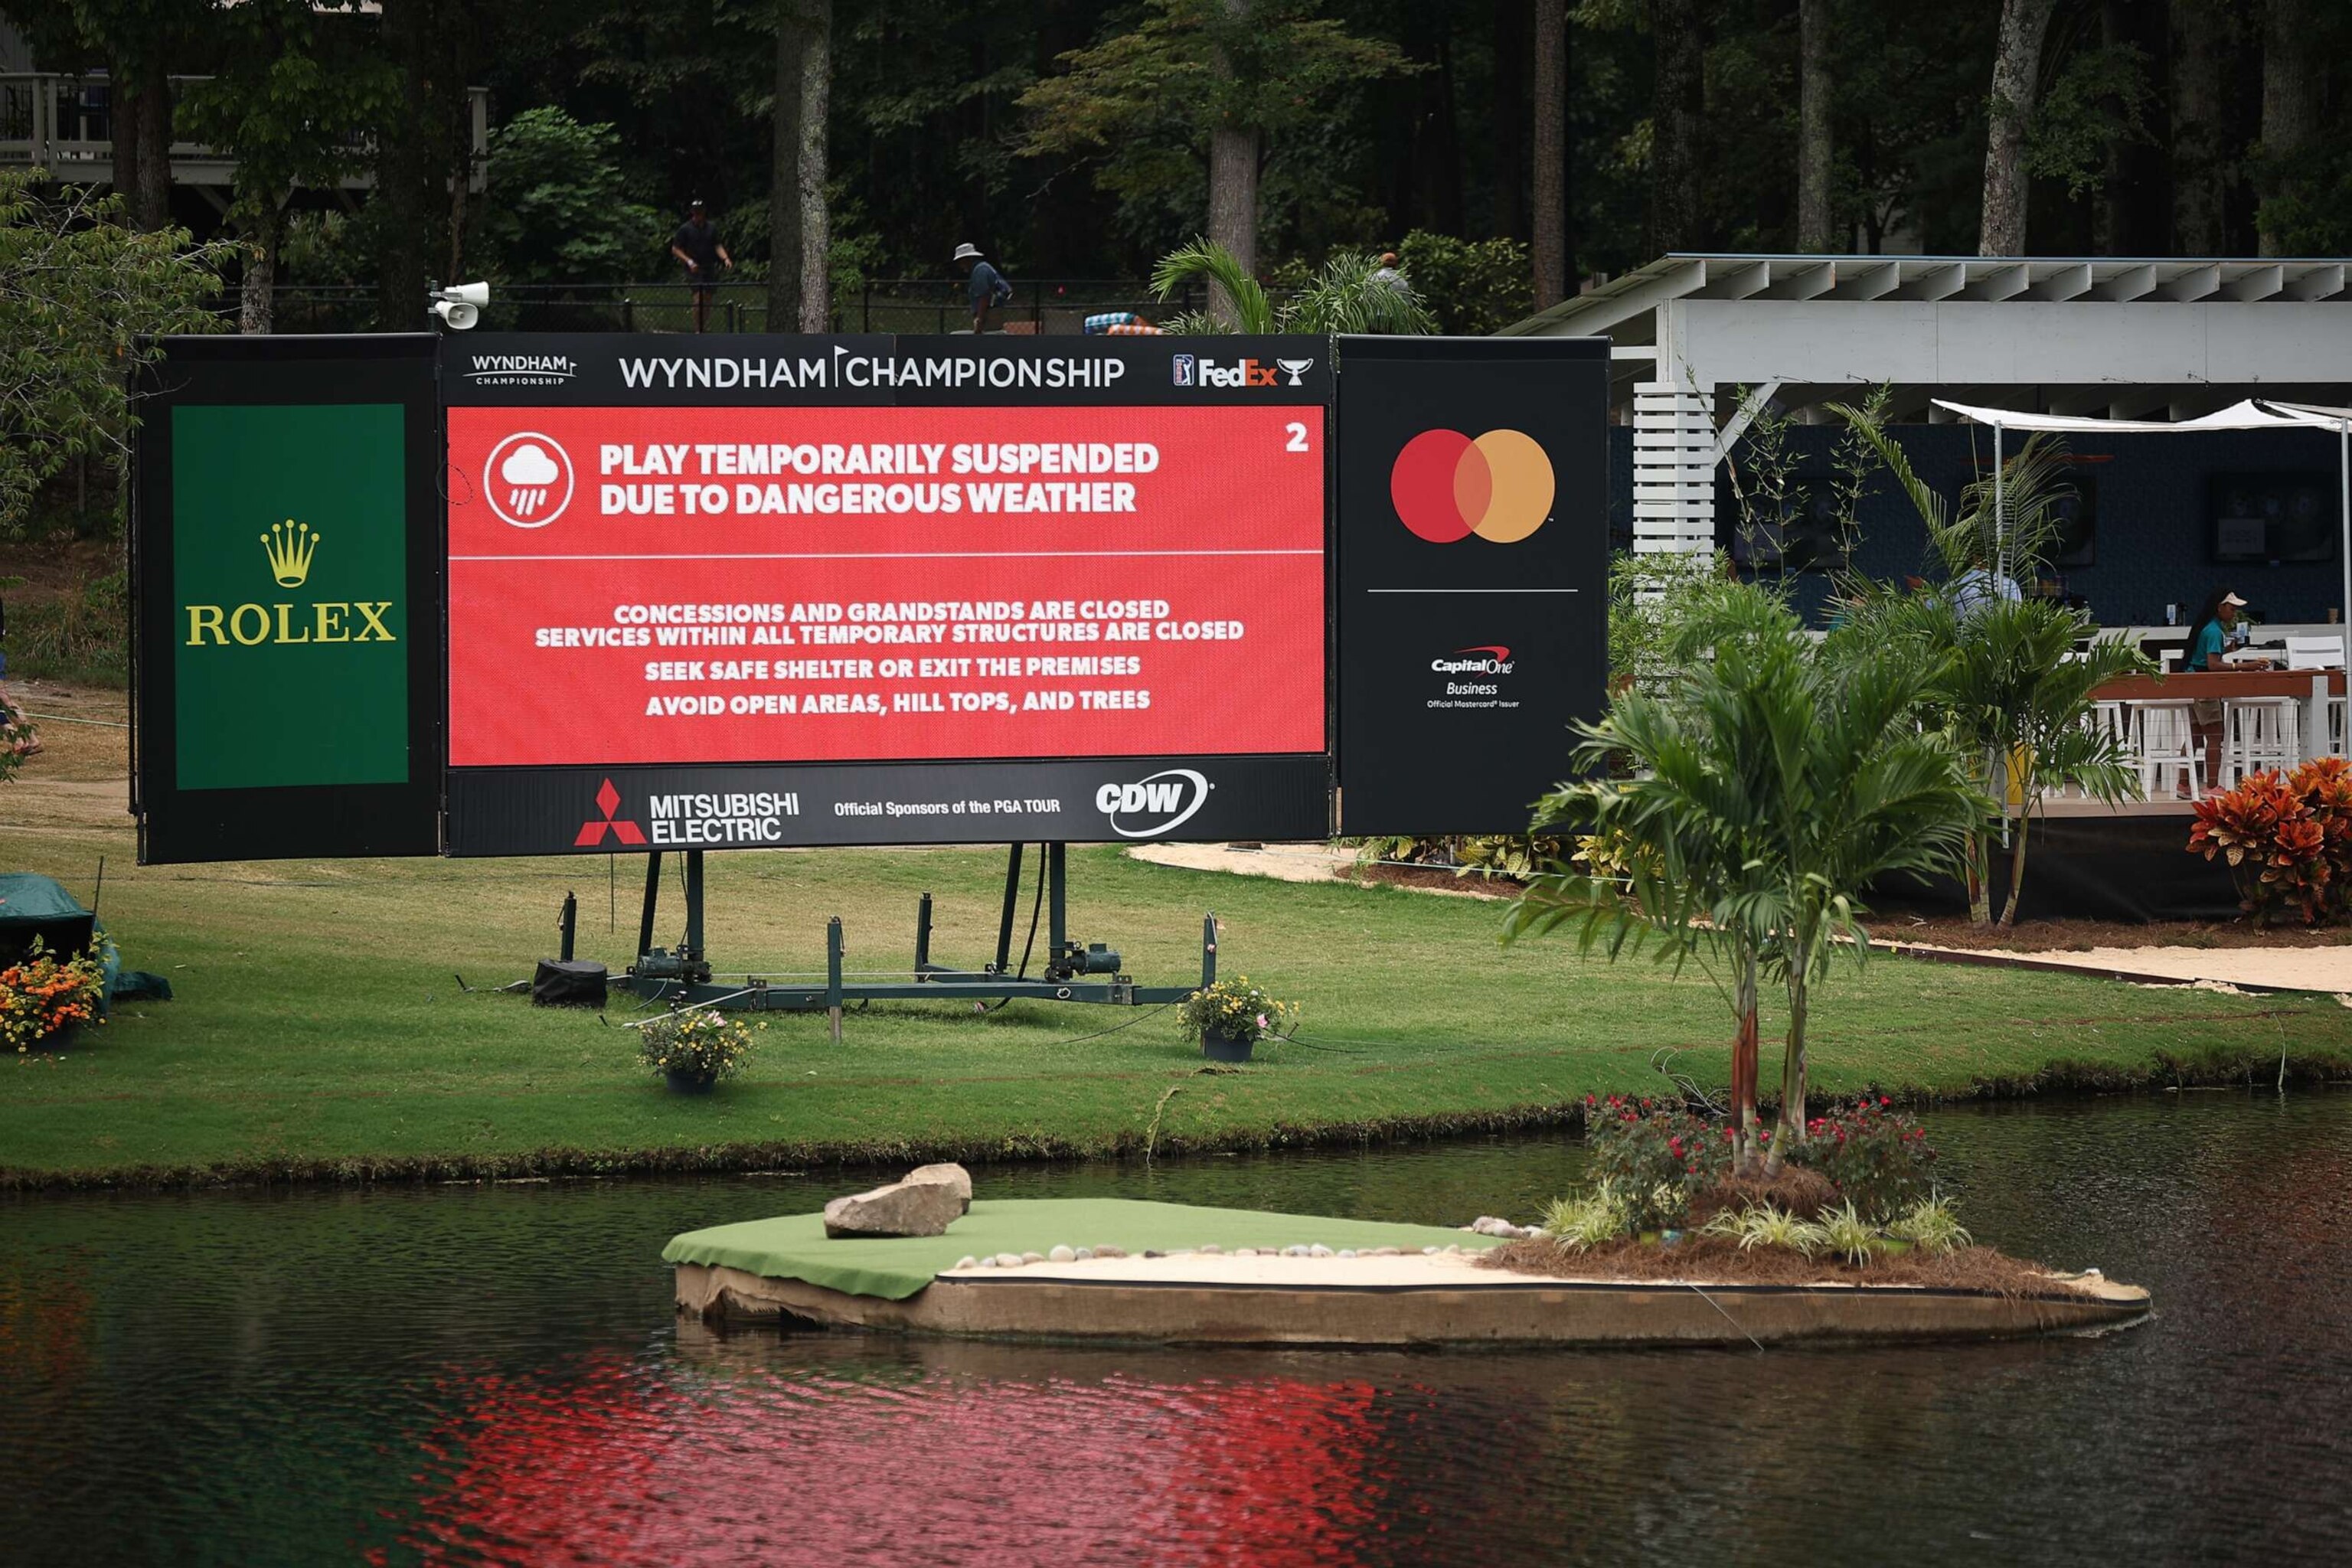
x=547, y=595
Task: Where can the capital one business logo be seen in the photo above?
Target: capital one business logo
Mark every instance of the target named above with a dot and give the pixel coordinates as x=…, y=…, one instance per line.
x=1447, y=485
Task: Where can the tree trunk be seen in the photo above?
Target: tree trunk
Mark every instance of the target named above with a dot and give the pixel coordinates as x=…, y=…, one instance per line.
x=2016, y=71
x=1791, y=1130
x=784, y=187
x=1678, y=104
x=1816, y=158
x=1978, y=874
x=1508, y=134
x=2203, y=39
x=141, y=126
x=2293, y=95
x=1551, y=263
x=2017, y=864
x=1744, y=1143
x=1232, y=188
x=256, y=305
x=811, y=166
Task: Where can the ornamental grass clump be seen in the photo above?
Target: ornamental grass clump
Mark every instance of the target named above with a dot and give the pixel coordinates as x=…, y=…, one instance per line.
x=1845, y=1233
x=1584, y=1220
x=1766, y=1226
x=1239, y=1011
x=1931, y=1226
x=700, y=1046
x=42, y=995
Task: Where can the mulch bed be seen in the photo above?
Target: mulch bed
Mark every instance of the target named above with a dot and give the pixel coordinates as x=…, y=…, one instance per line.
x=1943, y=931
x=1717, y=1258
x=2081, y=936
x=1440, y=878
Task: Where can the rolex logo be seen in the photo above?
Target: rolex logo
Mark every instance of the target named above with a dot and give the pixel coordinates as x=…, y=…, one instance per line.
x=289, y=546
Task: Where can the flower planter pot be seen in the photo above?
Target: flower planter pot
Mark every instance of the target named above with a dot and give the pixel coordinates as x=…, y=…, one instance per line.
x=63, y=1040
x=686, y=1081
x=1219, y=1046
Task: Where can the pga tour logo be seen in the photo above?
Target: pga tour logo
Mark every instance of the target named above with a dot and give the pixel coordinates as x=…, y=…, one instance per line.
x=1193, y=371
x=1153, y=807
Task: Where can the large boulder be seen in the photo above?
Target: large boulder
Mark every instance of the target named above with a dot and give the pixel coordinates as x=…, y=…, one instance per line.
x=954, y=1176
x=925, y=1204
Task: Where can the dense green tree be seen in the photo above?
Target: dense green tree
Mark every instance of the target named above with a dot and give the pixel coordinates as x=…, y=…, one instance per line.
x=563, y=212
x=79, y=291
x=1202, y=88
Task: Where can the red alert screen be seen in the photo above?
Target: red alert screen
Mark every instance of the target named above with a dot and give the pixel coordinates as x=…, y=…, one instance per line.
x=673, y=585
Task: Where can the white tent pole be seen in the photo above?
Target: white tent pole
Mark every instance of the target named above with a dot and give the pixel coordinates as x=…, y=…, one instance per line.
x=2344, y=483
x=1999, y=518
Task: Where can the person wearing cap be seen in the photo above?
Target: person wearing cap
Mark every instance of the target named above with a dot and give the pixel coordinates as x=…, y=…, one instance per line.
x=1387, y=276
x=2208, y=648
x=697, y=243
x=989, y=289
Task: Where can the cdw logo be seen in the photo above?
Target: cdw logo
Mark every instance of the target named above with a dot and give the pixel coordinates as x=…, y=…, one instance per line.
x=1150, y=807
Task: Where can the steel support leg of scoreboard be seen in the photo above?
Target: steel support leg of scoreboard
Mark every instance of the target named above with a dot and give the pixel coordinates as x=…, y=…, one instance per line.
x=1072, y=973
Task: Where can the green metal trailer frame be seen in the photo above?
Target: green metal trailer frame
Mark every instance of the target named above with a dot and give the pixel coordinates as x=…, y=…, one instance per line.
x=1073, y=972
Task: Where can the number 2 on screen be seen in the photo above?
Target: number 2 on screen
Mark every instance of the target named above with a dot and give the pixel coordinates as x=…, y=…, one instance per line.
x=1297, y=438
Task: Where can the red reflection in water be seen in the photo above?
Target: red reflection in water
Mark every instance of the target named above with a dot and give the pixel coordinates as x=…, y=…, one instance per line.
x=613, y=1466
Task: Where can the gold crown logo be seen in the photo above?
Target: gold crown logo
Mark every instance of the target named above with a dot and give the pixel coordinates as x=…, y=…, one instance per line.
x=289, y=546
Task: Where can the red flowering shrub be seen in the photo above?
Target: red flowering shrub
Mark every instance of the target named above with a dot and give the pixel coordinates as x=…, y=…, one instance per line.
x=2287, y=839
x=1658, y=1158
x=1878, y=1157
x=1654, y=1156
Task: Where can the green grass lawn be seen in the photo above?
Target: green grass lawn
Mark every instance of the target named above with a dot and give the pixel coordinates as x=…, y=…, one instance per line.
x=318, y=1029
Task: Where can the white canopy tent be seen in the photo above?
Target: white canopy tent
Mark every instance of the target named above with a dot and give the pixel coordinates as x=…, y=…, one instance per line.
x=2253, y=413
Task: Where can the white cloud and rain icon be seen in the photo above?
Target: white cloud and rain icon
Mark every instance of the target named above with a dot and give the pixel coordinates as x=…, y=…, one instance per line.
x=528, y=473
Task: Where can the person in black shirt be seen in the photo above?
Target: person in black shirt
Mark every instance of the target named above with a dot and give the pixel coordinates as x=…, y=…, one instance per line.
x=697, y=243
x=989, y=289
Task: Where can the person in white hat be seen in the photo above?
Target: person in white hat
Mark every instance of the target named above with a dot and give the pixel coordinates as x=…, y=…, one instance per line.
x=989, y=289
x=2210, y=637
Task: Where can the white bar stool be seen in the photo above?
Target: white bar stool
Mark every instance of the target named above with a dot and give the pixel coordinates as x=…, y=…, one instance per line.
x=2164, y=742
x=2260, y=734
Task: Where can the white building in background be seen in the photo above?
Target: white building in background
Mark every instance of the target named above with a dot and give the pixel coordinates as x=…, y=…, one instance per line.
x=2106, y=338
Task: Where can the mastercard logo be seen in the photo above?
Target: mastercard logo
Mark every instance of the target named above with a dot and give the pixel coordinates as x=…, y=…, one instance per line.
x=1446, y=486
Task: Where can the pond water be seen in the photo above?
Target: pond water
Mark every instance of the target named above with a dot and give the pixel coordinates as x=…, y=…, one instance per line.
x=493, y=1375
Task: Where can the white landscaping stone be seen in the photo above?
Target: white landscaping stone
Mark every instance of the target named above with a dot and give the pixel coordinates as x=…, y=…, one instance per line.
x=1008, y=1260
x=1061, y=1254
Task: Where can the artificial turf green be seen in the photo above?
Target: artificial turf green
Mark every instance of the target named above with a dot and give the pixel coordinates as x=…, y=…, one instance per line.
x=319, y=1029
x=795, y=1247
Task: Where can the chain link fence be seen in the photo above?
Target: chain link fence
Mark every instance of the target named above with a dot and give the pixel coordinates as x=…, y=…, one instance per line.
x=1052, y=307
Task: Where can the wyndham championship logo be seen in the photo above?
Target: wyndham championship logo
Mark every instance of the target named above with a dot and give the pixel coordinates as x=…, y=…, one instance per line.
x=1153, y=807
x=522, y=369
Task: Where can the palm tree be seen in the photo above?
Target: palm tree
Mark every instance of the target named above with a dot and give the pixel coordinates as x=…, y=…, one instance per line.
x=1769, y=784
x=2016, y=700
x=1343, y=296
x=2011, y=691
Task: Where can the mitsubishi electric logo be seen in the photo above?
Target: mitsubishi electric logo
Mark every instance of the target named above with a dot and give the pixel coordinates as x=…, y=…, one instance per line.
x=1155, y=806
x=593, y=831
